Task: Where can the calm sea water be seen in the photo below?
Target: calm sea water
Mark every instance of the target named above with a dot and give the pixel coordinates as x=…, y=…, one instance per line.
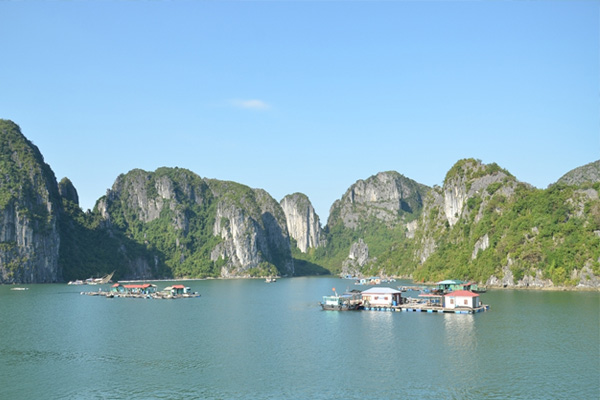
x=246, y=339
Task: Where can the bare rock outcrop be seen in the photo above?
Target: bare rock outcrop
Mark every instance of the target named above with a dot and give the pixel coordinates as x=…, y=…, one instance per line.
x=358, y=257
x=387, y=197
x=302, y=221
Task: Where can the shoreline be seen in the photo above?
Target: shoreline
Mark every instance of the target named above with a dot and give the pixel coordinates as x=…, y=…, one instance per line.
x=509, y=287
x=515, y=287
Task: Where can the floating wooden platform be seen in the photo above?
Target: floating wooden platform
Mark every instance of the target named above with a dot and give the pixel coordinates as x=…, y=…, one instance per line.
x=160, y=296
x=429, y=309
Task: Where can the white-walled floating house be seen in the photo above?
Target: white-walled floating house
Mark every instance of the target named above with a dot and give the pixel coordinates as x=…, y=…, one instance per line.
x=381, y=297
x=461, y=298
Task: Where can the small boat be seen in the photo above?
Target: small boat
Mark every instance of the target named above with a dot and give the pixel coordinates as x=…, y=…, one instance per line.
x=271, y=280
x=94, y=281
x=348, y=301
x=100, y=281
x=20, y=288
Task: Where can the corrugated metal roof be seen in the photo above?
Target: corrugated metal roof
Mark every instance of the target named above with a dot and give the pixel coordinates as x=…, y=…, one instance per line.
x=381, y=290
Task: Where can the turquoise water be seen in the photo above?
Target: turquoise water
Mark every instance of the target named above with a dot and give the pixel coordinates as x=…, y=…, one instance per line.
x=245, y=339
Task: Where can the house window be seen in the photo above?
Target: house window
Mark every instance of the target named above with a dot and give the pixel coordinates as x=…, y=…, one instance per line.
x=466, y=302
x=451, y=301
x=385, y=298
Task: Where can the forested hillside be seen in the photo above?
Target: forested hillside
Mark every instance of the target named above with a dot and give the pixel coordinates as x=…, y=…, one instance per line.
x=483, y=224
x=505, y=229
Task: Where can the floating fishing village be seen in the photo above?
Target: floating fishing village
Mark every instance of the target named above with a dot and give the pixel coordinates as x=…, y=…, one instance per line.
x=449, y=296
x=145, y=291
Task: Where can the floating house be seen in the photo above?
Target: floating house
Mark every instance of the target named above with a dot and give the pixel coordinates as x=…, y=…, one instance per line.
x=450, y=285
x=461, y=299
x=176, y=290
x=117, y=288
x=381, y=297
x=373, y=280
x=145, y=288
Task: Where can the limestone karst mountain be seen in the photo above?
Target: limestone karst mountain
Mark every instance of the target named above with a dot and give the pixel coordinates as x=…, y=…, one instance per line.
x=30, y=208
x=482, y=224
x=201, y=227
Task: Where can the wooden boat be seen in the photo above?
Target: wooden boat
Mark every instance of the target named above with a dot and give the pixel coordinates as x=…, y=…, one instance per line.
x=100, y=281
x=348, y=301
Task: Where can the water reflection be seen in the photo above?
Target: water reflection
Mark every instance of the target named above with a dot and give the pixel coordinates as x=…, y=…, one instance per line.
x=459, y=332
x=461, y=369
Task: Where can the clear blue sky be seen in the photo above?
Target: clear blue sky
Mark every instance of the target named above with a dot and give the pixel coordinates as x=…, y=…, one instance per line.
x=302, y=96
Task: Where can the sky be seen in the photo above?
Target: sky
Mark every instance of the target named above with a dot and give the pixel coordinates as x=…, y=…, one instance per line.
x=302, y=96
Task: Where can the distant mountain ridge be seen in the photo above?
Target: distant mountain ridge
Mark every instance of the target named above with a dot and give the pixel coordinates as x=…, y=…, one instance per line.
x=586, y=174
x=482, y=224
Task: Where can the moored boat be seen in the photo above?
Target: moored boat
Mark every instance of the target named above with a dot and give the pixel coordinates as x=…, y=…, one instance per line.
x=348, y=301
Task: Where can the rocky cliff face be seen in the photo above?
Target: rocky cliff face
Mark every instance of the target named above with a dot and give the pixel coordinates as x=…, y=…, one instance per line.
x=468, y=188
x=586, y=174
x=471, y=179
x=67, y=191
x=252, y=228
x=29, y=211
x=302, y=222
x=358, y=258
x=377, y=213
x=482, y=224
x=201, y=227
x=388, y=197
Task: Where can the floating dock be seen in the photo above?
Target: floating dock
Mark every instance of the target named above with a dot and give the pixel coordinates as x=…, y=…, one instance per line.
x=157, y=295
x=429, y=309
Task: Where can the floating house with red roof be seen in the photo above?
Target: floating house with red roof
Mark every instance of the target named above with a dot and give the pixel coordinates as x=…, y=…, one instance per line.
x=144, y=288
x=461, y=299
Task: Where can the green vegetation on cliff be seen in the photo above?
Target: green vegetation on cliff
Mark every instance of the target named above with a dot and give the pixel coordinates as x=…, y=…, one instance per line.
x=180, y=232
x=173, y=223
x=551, y=230
x=90, y=249
x=508, y=225
x=29, y=211
x=26, y=181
